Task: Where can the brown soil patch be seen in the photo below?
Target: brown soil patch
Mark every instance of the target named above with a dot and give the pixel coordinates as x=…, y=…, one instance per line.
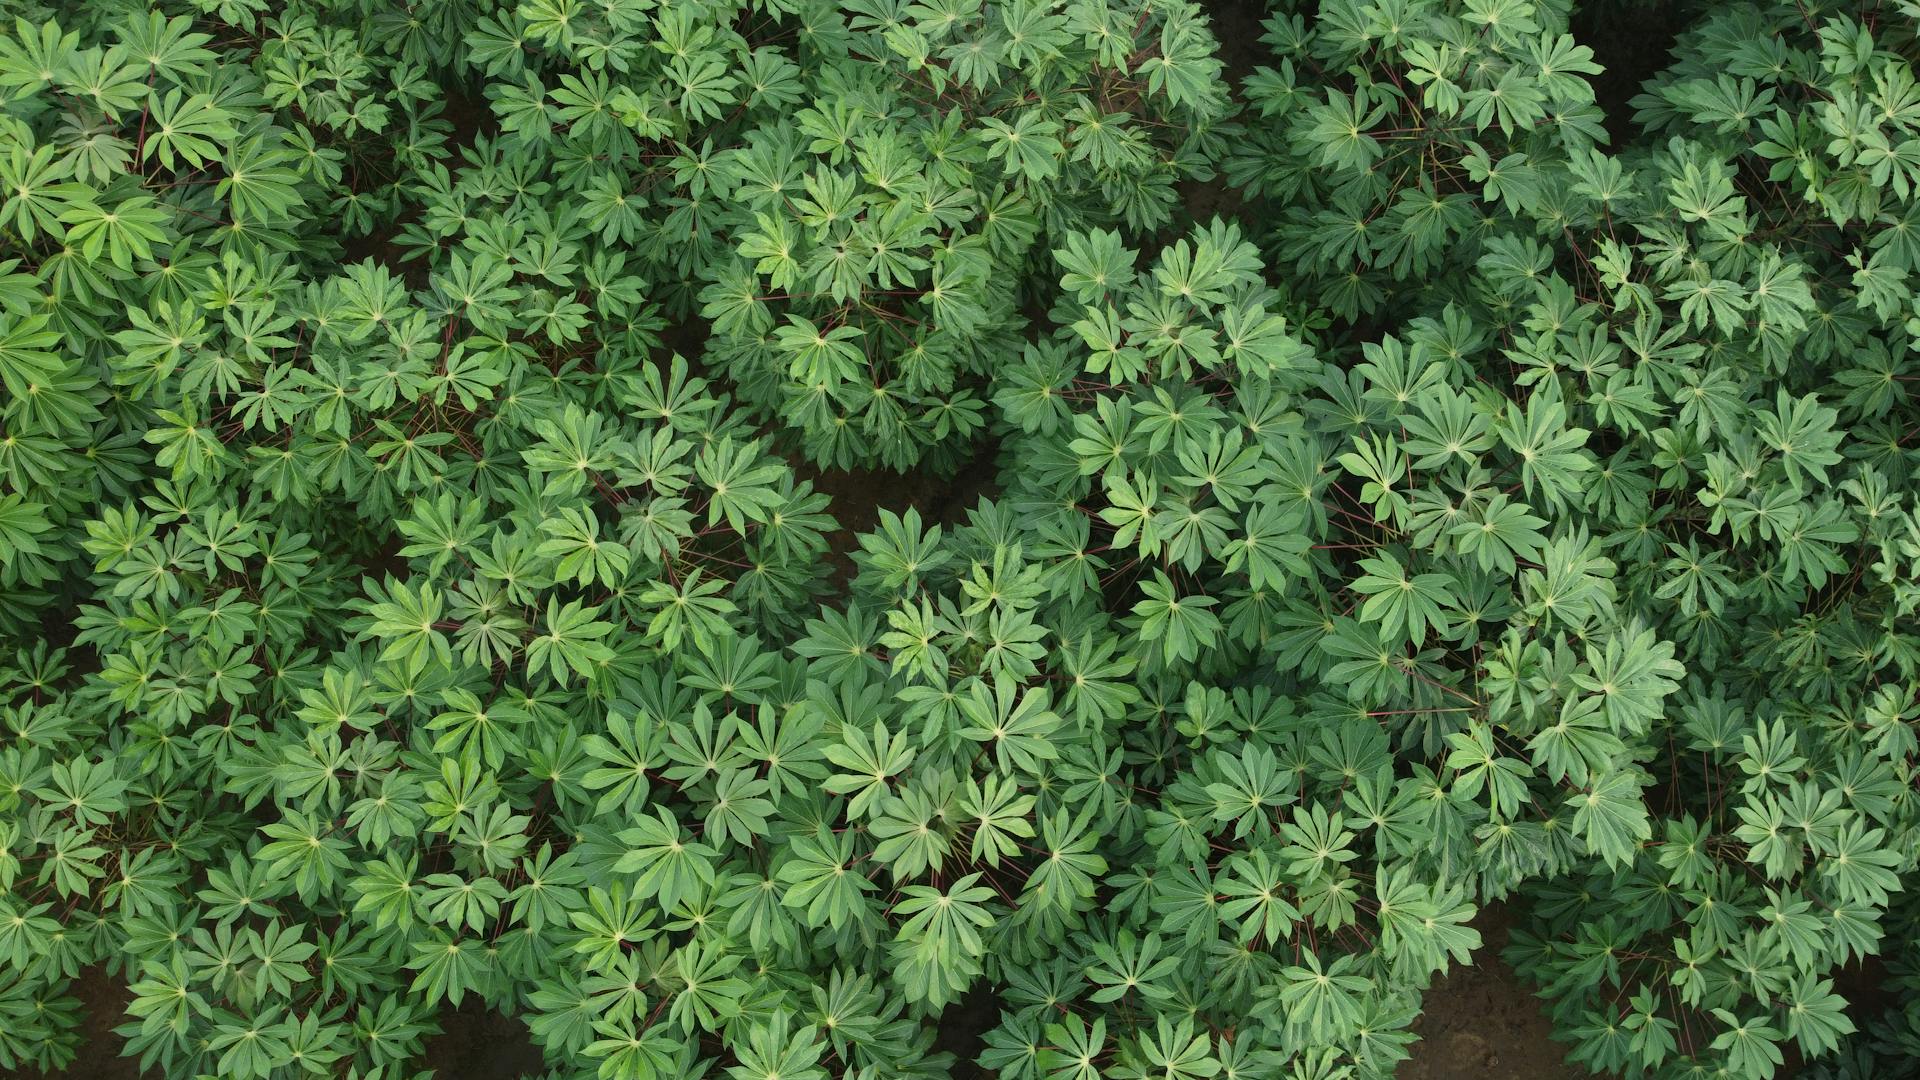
x=1483, y=1022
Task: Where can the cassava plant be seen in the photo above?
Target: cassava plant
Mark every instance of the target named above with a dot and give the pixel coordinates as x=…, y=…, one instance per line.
x=421, y=593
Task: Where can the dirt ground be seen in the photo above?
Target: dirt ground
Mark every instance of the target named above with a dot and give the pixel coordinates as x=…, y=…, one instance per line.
x=103, y=1002
x=860, y=494
x=1483, y=1023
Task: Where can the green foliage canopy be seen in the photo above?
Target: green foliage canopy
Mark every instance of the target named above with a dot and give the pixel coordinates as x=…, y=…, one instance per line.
x=421, y=590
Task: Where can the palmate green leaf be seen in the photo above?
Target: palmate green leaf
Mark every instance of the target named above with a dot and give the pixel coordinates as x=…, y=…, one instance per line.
x=1500, y=534
x=571, y=452
x=408, y=621
x=628, y=752
x=1317, y=844
x=1763, y=827
x=1175, y=1050
x=1027, y=146
x=1016, y=725
x=448, y=968
x=1610, y=816
x=1097, y=690
x=1483, y=767
x=869, y=761
x=777, y=1050
x=1255, y=898
x=73, y=863
x=164, y=998
x=91, y=792
x=479, y=733
x=281, y=956
x=610, y=922
x=1816, y=1016
x=441, y=529
x=1579, y=745
x=787, y=748
x=1860, y=870
x=1750, y=1045
x=1424, y=926
x=1183, y=625
x=1405, y=605
x=1074, y=1048
x=302, y=850
x=574, y=539
x=27, y=932
x=772, y=247
x=1271, y=546
x=1382, y=466
x=912, y=641
x=665, y=864
x=250, y=1047
x=1388, y=809
x=1340, y=130
x=258, y=181
x=1633, y=674
x=571, y=646
x=546, y=893
x=740, y=485
x=688, y=609
x=20, y=523
x=1131, y=967
x=1809, y=542
x=147, y=884
x=819, y=880
x=1066, y=876
x=1769, y=756
x=1800, y=431
x=1551, y=455
x=388, y=893
x=1253, y=785
x=1133, y=503
x=628, y=1053
x=26, y=358
x=156, y=345
x=901, y=550
x=829, y=356
x=999, y=814
x=186, y=129
x=563, y=1014
x=38, y=190
x=1324, y=1001
x=187, y=446
x=709, y=993
x=1109, y=352
x=911, y=833
x=1652, y=1037
x=124, y=232
x=1366, y=666
x=1095, y=264
x=949, y=919
x=738, y=809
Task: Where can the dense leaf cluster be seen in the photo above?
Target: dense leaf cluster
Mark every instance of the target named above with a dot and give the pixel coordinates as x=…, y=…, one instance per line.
x=418, y=589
